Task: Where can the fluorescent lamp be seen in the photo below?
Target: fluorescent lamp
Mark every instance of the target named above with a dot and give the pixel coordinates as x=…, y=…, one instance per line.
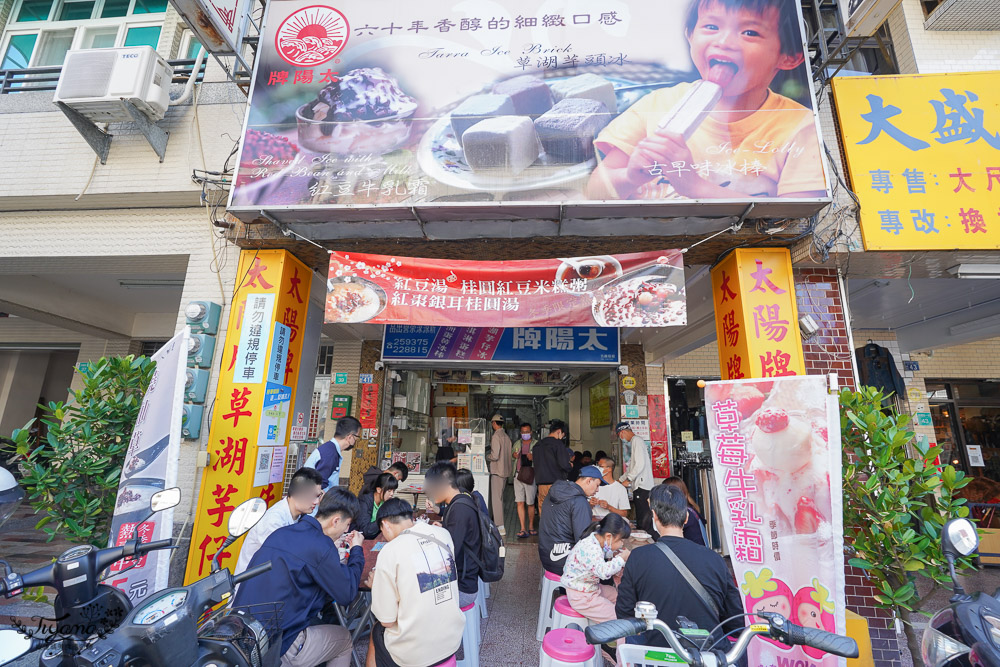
x=976, y=271
x=151, y=284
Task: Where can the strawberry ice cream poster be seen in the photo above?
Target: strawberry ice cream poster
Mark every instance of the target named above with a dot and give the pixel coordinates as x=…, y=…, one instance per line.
x=777, y=461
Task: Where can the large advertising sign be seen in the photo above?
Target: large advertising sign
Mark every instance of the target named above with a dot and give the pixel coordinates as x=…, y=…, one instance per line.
x=523, y=345
x=643, y=289
x=777, y=461
x=923, y=154
x=388, y=104
x=151, y=466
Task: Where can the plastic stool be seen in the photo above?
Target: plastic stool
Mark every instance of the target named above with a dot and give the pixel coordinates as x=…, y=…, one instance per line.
x=564, y=616
x=551, y=585
x=484, y=592
x=470, y=637
x=450, y=662
x=568, y=648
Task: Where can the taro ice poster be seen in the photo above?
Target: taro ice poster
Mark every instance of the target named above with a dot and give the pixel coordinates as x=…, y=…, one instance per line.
x=644, y=289
x=390, y=103
x=777, y=461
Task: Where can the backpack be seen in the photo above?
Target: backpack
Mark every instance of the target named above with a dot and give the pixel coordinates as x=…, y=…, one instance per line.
x=491, y=550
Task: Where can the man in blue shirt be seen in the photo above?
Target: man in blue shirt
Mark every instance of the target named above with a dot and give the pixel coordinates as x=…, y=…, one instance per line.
x=327, y=457
x=305, y=572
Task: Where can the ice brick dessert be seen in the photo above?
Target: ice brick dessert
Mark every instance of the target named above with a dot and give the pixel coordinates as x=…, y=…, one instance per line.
x=568, y=129
x=588, y=87
x=685, y=116
x=506, y=143
x=530, y=95
x=479, y=107
x=640, y=301
x=363, y=111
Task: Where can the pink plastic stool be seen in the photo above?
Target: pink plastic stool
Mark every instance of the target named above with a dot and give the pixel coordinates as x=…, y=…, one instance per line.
x=564, y=616
x=470, y=637
x=568, y=648
x=552, y=576
x=550, y=585
x=450, y=662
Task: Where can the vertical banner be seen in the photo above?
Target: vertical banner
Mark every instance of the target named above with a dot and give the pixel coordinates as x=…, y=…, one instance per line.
x=777, y=460
x=151, y=466
x=756, y=319
x=260, y=365
x=659, y=434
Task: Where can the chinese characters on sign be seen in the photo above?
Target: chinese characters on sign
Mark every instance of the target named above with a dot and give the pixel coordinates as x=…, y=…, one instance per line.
x=923, y=155
x=250, y=419
x=777, y=463
x=756, y=318
x=644, y=289
x=486, y=344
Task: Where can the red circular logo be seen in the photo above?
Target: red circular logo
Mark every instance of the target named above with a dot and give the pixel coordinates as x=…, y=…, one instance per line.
x=312, y=35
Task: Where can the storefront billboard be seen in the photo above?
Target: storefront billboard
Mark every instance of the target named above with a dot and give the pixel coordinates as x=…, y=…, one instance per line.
x=923, y=154
x=643, y=289
x=777, y=463
x=385, y=104
x=491, y=345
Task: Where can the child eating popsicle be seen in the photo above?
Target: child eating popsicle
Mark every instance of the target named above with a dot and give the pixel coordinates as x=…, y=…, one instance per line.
x=728, y=136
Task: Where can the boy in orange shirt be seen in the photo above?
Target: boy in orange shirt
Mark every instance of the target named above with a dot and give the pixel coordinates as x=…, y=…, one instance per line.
x=754, y=143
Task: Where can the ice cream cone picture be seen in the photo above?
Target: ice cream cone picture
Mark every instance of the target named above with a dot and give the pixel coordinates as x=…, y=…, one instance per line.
x=813, y=608
x=763, y=593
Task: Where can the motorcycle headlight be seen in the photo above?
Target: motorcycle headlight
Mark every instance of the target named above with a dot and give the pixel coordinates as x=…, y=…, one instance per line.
x=937, y=648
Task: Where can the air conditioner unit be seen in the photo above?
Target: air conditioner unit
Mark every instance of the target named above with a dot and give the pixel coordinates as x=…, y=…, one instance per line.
x=95, y=81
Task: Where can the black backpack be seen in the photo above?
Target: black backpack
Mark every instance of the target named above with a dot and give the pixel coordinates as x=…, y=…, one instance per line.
x=491, y=549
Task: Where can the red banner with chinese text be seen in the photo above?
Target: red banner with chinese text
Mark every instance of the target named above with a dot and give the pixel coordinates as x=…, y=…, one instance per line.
x=273, y=289
x=756, y=319
x=777, y=461
x=644, y=289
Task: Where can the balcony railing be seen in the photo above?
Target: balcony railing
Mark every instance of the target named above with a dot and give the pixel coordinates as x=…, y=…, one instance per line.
x=46, y=78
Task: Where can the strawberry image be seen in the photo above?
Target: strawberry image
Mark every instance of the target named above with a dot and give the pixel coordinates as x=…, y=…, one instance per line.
x=807, y=517
x=772, y=420
x=763, y=593
x=748, y=399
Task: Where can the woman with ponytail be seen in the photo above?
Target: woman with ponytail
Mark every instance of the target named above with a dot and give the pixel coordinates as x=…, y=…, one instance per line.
x=599, y=555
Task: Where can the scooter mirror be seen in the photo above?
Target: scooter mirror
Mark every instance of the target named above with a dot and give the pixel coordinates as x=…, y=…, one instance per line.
x=959, y=538
x=165, y=499
x=245, y=516
x=13, y=645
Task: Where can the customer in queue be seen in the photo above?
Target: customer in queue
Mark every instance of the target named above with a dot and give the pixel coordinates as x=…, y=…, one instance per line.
x=461, y=520
x=565, y=517
x=305, y=572
x=384, y=489
x=414, y=592
x=552, y=460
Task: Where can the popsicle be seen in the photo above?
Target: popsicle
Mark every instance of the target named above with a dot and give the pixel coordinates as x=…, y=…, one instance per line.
x=685, y=117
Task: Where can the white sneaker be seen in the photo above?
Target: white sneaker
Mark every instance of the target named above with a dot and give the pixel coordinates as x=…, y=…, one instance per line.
x=502, y=531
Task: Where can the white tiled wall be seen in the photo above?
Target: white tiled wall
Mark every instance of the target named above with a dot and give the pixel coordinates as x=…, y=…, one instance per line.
x=937, y=51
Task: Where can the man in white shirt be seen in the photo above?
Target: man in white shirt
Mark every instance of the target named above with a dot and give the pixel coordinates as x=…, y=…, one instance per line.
x=304, y=493
x=414, y=592
x=326, y=458
x=610, y=498
x=639, y=475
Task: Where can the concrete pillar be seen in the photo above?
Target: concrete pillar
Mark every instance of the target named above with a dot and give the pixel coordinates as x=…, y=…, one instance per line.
x=21, y=379
x=346, y=359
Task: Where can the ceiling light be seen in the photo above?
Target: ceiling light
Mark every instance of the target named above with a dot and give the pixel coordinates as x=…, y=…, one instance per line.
x=976, y=271
x=151, y=284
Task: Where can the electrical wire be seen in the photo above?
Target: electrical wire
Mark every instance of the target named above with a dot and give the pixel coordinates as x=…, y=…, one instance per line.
x=728, y=634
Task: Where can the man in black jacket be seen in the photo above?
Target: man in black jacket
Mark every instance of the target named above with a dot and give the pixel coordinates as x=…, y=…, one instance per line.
x=461, y=519
x=551, y=459
x=565, y=516
x=650, y=576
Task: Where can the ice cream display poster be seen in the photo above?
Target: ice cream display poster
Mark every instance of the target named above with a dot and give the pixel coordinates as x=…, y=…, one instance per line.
x=777, y=461
x=391, y=104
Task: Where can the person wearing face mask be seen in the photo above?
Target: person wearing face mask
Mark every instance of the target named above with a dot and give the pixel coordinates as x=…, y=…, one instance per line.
x=639, y=475
x=524, y=483
x=599, y=555
x=327, y=457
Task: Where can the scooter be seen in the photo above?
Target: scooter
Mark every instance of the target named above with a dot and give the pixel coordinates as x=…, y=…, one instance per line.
x=967, y=633
x=705, y=654
x=84, y=607
x=166, y=629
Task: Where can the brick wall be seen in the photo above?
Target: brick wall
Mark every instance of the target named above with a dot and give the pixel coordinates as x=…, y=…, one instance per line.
x=818, y=294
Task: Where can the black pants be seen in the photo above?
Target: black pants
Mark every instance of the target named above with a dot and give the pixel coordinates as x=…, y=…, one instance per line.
x=382, y=656
x=643, y=515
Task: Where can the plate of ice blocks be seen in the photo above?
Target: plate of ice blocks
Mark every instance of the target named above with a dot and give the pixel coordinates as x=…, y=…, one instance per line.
x=523, y=133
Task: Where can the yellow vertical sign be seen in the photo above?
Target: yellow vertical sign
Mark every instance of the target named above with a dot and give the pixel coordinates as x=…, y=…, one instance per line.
x=756, y=319
x=260, y=363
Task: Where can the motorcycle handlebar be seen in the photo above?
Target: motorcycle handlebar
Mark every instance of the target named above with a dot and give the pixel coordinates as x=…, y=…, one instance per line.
x=253, y=572
x=819, y=639
x=153, y=546
x=609, y=631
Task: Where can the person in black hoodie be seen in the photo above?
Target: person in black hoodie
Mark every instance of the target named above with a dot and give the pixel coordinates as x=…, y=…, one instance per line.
x=565, y=516
x=398, y=470
x=461, y=519
x=551, y=459
x=384, y=488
